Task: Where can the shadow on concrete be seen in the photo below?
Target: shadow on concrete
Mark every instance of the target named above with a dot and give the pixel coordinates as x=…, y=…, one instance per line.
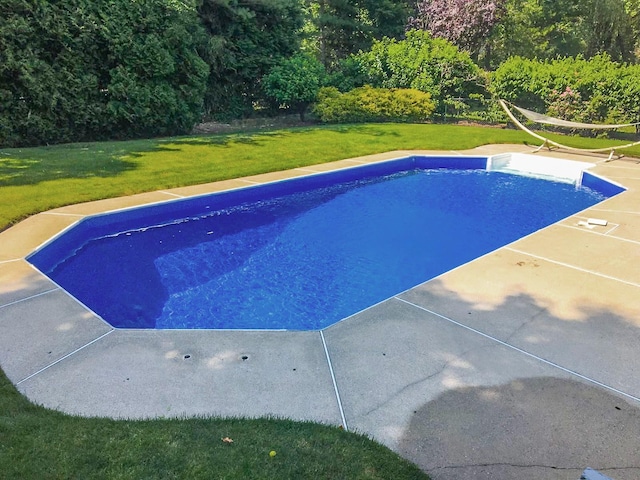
x=542, y=428
x=489, y=422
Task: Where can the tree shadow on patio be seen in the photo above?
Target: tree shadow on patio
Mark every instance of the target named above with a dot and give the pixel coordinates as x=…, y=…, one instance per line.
x=543, y=428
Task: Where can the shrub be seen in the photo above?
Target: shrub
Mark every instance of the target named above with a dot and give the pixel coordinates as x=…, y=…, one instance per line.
x=595, y=90
x=369, y=104
x=422, y=62
x=349, y=74
x=295, y=82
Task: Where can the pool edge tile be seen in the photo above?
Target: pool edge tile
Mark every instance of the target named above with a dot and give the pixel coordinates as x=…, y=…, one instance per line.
x=115, y=203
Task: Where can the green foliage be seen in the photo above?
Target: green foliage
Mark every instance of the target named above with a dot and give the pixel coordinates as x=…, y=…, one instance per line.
x=628, y=95
x=609, y=29
x=42, y=81
x=592, y=91
x=632, y=7
x=348, y=74
x=424, y=63
x=548, y=30
x=295, y=82
x=79, y=69
x=246, y=39
x=522, y=81
x=157, y=80
x=368, y=104
x=344, y=27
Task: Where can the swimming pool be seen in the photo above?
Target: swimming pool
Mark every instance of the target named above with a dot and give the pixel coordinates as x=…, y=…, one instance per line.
x=304, y=253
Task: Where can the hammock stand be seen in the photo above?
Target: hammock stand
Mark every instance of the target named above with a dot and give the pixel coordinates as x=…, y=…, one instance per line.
x=550, y=144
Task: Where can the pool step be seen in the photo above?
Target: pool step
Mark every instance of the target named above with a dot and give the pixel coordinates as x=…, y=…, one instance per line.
x=568, y=171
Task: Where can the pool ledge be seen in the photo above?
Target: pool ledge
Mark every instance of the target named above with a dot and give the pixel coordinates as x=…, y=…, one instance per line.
x=535, y=345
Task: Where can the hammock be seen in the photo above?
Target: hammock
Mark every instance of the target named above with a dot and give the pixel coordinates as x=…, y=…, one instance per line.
x=539, y=118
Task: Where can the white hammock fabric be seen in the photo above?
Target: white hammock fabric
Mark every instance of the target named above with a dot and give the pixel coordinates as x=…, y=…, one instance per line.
x=550, y=143
x=540, y=118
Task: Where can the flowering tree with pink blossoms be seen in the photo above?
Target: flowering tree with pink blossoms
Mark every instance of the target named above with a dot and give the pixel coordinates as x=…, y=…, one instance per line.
x=466, y=23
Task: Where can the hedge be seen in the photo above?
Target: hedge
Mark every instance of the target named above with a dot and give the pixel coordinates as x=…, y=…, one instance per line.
x=597, y=90
x=369, y=104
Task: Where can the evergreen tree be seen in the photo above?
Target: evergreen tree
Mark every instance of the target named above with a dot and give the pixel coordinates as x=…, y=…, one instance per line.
x=157, y=80
x=76, y=70
x=344, y=27
x=246, y=39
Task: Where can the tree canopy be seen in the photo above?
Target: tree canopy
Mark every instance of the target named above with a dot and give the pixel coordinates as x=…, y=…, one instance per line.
x=75, y=70
x=564, y=28
x=296, y=82
x=245, y=39
x=89, y=69
x=466, y=23
x=495, y=30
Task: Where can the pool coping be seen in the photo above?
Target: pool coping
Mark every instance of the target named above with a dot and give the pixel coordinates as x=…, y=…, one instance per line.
x=62, y=356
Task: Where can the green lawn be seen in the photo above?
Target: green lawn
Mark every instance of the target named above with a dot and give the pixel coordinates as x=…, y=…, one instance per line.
x=39, y=443
x=38, y=179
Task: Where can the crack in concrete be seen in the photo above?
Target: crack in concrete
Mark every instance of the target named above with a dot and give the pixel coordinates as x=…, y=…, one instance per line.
x=534, y=465
x=515, y=465
x=526, y=323
x=438, y=372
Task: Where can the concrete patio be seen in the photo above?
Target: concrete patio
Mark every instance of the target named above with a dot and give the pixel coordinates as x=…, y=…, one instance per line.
x=521, y=364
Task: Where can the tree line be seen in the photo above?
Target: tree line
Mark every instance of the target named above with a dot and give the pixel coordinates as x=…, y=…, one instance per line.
x=79, y=70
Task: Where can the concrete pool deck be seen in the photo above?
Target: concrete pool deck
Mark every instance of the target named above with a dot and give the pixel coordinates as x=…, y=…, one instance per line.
x=521, y=364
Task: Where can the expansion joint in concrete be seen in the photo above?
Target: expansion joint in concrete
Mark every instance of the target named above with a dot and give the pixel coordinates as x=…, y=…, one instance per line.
x=63, y=358
x=511, y=465
x=524, y=352
x=335, y=384
x=605, y=234
x=591, y=272
x=171, y=194
x=29, y=297
x=524, y=466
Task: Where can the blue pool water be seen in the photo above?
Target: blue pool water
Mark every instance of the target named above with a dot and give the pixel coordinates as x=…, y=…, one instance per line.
x=297, y=256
